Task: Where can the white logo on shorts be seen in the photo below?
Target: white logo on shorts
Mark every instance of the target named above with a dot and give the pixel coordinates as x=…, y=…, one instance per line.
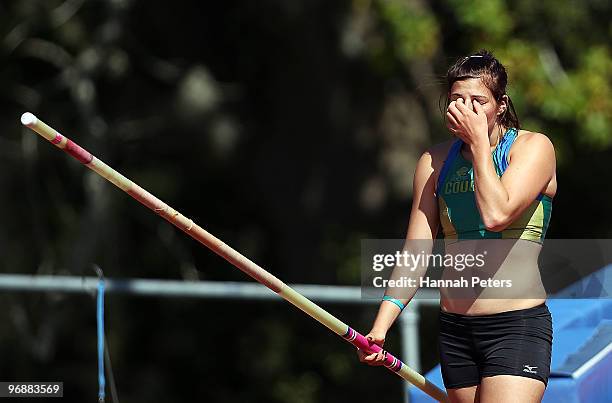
x=530, y=369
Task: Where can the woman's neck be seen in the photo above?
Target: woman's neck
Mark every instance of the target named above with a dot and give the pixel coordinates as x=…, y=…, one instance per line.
x=496, y=135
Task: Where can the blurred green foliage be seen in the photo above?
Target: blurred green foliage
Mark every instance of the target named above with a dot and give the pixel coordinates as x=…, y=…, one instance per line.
x=290, y=129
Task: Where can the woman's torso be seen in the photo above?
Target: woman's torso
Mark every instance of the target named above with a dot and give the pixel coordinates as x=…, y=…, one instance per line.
x=511, y=254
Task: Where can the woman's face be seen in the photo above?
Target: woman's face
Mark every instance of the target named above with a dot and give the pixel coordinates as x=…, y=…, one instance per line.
x=471, y=89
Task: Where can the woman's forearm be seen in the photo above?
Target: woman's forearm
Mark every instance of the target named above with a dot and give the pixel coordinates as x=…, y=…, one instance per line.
x=388, y=312
x=404, y=274
x=491, y=196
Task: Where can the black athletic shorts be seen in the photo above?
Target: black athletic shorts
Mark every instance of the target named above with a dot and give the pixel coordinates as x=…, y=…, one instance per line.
x=506, y=343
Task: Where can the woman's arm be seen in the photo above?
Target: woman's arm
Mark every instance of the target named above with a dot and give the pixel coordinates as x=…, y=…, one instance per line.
x=423, y=226
x=501, y=201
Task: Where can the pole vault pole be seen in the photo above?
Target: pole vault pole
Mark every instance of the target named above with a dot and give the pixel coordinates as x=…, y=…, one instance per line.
x=231, y=255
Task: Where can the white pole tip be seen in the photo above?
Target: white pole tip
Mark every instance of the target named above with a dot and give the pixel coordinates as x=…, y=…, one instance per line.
x=28, y=119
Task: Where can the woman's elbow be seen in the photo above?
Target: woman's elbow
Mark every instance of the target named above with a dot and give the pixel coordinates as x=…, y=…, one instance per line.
x=496, y=222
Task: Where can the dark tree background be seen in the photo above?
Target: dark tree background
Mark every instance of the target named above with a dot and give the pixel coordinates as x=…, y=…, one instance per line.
x=290, y=129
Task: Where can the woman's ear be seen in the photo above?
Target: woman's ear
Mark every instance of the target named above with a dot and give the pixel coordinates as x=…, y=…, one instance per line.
x=503, y=105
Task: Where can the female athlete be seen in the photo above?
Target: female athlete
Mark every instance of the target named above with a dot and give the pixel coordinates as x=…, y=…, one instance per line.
x=494, y=183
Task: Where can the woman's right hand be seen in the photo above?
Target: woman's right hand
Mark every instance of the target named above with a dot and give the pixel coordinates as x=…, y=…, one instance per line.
x=375, y=359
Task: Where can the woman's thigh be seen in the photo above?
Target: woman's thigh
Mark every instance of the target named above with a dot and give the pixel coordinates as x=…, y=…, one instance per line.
x=511, y=389
x=468, y=394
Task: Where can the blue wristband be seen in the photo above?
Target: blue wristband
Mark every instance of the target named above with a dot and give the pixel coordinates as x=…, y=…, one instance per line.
x=395, y=301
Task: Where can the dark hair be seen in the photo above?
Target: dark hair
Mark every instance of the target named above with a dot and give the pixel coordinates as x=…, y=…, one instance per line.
x=485, y=66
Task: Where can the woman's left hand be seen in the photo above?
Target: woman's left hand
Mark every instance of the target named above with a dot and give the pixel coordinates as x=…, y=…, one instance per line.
x=468, y=123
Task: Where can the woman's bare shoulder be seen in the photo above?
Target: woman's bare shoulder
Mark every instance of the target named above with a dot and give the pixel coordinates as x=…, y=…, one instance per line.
x=527, y=136
x=437, y=153
x=533, y=140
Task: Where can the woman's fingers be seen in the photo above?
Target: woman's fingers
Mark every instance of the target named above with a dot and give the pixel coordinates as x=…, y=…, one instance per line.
x=478, y=108
x=453, y=123
x=453, y=126
x=460, y=118
x=374, y=359
x=381, y=356
x=454, y=110
x=376, y=338
x=463, y=106
x=465, y=109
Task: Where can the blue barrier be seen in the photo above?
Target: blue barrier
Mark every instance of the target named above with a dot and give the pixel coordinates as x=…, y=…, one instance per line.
x=581, y=368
